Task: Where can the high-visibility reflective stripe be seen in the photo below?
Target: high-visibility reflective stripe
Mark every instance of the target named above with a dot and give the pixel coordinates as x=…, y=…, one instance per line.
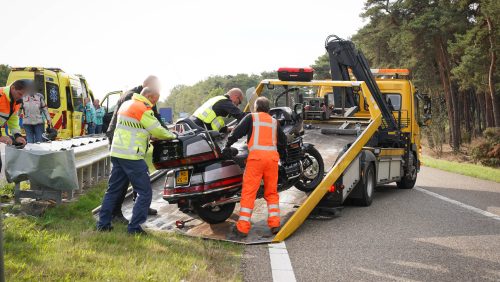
x=244, y=218
x=274, y=128
x=217, y=123
x=247, y=210
x=257, y=124
x=126, y=118
x=5, y=116
x=273, y=206
x=263, y=148
x=129, y=151
x=134, y=134
x=130, y=129
x=271, y=214
x=153, y=126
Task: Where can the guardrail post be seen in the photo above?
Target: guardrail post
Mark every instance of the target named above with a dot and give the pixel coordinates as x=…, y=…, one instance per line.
x=95, y=173
x=102, y=169
x=88, y=176
x=79, y=172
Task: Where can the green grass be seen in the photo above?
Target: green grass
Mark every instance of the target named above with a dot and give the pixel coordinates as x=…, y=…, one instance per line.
x=63, y=245
x=473, y=170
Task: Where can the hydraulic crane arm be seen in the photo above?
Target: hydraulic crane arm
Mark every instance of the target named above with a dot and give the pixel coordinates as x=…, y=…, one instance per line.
x=344, y=56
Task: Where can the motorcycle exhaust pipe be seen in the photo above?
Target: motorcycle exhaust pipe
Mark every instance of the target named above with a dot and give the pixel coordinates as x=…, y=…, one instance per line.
x=234, y=199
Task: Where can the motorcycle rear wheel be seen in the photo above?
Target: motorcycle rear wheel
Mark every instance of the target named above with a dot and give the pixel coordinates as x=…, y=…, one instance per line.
x=312, y=178
x=214, y=215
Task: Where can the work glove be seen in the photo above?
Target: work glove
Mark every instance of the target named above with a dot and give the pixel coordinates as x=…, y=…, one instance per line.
x=227, y=153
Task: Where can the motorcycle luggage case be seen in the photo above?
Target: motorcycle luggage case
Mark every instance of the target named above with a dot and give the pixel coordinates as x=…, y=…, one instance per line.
x=295, y=74
x=186, y=150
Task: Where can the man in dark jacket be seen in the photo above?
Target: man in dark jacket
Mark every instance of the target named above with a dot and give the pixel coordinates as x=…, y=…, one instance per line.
x=151, y=82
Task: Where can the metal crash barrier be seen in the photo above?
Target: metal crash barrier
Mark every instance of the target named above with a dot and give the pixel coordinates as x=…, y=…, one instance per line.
x=57, y=168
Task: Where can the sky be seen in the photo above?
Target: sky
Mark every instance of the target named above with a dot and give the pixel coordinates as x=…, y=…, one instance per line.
x=116, y=44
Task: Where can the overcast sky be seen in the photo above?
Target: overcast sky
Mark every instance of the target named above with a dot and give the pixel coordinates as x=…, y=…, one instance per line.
x=116, y=44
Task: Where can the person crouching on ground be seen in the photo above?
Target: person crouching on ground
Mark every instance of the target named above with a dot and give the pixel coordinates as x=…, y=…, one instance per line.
x=136, y=123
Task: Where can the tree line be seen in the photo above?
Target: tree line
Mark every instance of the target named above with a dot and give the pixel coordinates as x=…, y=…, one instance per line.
x=451, y=48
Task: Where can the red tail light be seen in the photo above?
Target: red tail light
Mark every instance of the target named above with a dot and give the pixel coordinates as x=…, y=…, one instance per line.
x=332, y=188
x=186, y=161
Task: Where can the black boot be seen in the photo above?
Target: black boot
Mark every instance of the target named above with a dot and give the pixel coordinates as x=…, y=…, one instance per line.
x=235, y=234
x=152, y=211
x=119, y=218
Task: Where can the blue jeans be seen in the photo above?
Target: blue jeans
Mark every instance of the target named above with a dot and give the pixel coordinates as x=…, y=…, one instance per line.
x=91, y=128
x=98, y=129
x=34, y=132
x=122, y=172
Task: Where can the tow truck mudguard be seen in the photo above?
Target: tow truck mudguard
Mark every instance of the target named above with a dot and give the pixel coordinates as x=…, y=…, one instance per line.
x=306, y=146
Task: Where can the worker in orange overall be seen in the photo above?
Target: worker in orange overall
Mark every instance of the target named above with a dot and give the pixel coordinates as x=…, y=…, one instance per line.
x=266, y=142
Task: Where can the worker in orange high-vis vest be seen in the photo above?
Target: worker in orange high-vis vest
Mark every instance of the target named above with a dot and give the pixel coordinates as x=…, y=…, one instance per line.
x=11, y=99
x=266, y=142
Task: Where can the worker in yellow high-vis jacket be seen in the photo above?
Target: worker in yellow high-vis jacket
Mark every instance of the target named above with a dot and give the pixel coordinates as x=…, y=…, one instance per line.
x=212, y=113
x=135, y=125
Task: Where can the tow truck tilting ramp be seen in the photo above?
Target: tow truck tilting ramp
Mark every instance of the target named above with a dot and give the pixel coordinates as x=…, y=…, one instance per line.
x=295, y=205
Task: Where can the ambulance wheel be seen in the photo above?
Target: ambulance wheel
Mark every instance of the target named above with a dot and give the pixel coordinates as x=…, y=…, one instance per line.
x=214, y=215
x=314, y=173
x=409, y=180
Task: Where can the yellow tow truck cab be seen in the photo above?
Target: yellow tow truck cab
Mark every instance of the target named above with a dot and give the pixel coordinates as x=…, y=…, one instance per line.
x=401, y=96
x=64, y=94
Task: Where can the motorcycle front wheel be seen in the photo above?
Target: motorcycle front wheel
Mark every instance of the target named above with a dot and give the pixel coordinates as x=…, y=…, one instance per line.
x=314, y=173
x=214, y=215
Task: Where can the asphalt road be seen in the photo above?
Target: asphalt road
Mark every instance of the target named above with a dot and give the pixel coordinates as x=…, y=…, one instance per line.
x=405, y=235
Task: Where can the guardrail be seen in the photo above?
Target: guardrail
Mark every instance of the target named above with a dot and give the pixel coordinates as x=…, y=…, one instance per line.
x=91, y=162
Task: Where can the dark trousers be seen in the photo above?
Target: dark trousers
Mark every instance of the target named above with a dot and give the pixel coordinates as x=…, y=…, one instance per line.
x=117, y=211
x=33, y=132
x=124, y=171
x=98, y=128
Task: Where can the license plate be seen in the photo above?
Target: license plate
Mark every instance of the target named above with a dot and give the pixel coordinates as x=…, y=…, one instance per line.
x=182, y=177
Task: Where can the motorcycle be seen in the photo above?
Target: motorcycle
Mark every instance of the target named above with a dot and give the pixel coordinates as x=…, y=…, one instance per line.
x=201, y=180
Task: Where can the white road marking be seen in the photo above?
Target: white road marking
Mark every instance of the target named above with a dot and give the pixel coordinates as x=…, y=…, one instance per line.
x=460, y=204
x=281, y=266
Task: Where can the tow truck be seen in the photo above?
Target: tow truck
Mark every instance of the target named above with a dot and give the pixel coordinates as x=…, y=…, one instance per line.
x=375, y=144
x=387, y=146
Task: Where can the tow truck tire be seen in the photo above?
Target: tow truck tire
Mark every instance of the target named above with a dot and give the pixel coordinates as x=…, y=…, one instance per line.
x=214, y=215
x=368, y=187
x=409, y=180
x=308, y=184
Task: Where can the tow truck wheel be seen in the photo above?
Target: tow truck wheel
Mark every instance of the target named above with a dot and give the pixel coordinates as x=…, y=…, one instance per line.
x=214, y=215
x=409, y=180
x=368, y=187
x=314, y=173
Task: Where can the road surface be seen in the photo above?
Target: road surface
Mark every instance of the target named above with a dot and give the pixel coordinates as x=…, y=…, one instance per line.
x=445, y=229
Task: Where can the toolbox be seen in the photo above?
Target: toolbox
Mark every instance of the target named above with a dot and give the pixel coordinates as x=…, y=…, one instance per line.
x=295, y=74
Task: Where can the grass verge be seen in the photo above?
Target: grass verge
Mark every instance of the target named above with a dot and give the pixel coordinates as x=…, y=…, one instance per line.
x=63, y=245
x=473, y=170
